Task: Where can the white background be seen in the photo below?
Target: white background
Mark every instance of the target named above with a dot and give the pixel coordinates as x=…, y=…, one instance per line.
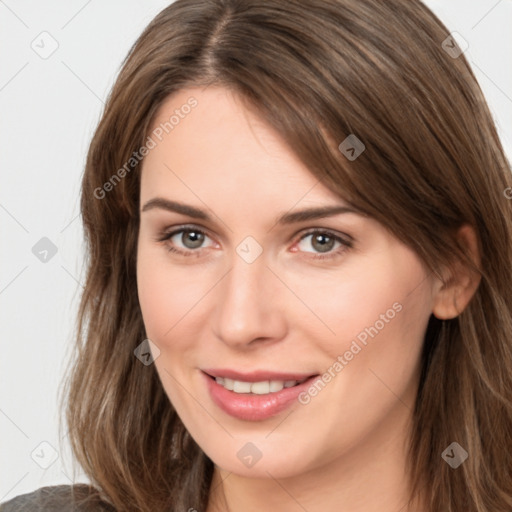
x=49, y=109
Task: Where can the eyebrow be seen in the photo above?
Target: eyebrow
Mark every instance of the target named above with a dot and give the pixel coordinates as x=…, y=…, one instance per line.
x=286, y=218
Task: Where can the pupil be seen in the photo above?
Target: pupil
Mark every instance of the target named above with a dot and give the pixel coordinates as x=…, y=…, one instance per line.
x=195, y=238
x=324, y=246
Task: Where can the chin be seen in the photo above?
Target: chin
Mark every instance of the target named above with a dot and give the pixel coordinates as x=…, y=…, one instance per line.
x=267, y=460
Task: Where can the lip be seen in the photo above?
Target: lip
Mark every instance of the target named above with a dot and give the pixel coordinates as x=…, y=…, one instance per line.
x=252, y=407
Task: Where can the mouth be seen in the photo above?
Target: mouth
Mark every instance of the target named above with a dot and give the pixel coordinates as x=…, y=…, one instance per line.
x=262, y=387
x=257, y=396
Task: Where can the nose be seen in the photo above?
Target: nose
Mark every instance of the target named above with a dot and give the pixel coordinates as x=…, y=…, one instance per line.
x=250, y=307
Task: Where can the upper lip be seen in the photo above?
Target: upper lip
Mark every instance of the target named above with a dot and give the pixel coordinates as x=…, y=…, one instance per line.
x=257, y=375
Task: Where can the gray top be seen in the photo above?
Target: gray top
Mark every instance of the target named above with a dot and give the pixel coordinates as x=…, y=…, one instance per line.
x=58, y=498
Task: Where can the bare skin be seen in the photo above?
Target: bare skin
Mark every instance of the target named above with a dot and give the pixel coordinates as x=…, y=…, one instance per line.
x=285, y=311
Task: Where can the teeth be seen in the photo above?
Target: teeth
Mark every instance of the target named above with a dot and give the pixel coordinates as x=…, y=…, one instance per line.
x=276, y=385
x=257, y=388
x=260, y=388
x=241, y=387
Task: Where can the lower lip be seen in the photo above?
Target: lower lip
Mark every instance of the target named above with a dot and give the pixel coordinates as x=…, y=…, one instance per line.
x=252, y=407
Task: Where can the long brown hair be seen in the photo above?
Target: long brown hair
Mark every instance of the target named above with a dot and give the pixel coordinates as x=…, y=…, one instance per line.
x=317, y=71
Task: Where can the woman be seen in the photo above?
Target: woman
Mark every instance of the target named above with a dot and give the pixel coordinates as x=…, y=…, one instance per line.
x=298, y=282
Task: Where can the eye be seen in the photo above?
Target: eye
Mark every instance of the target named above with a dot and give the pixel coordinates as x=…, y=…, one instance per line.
x=323, y=242
x=190, y=238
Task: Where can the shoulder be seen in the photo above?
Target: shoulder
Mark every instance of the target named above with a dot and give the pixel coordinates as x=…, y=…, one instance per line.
x=58, y=498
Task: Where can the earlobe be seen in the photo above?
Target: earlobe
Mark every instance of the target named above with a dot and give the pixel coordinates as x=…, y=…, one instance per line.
x=452, y=296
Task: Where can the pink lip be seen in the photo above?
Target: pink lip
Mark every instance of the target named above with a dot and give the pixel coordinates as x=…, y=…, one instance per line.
x=252, y=407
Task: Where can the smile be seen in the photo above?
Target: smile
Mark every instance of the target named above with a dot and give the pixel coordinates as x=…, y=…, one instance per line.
x=255, y=398
x=258, y=388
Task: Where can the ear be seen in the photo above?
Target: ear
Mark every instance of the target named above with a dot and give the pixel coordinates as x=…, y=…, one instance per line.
x=461, y=281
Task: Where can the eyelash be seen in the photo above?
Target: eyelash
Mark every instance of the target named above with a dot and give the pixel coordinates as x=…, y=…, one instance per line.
x=346, y=244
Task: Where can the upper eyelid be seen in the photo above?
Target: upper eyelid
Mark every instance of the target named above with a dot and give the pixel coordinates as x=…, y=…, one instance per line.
x=188, y=227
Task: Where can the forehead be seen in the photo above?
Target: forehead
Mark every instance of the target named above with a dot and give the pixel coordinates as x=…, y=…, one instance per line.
x=219, y=149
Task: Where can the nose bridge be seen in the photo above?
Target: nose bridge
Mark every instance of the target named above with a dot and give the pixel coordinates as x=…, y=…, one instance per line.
x=246, y=281
x=247, y=302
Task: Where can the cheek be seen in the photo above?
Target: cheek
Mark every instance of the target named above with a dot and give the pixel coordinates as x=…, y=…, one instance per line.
x=154, y=301
x=167, y=298
x=380, y=298
x=169, y=294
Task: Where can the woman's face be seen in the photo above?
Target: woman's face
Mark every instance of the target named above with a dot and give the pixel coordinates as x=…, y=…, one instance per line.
x=243, y=290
